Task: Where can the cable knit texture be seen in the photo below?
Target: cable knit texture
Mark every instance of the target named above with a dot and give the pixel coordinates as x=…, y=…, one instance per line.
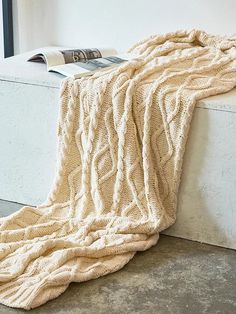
x=121, y=140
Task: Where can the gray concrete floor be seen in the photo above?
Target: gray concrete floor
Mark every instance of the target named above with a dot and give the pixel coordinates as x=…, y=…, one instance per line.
x=176, y=276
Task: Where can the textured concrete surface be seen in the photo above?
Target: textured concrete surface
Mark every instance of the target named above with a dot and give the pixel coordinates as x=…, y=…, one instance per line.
x=176, y=276
x=7, y=208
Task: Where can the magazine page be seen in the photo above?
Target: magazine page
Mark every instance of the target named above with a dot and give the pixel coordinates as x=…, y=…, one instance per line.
x=88, y=67
x=70, y=55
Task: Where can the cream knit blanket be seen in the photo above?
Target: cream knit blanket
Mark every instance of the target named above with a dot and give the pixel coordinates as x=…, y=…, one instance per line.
x=122, y=135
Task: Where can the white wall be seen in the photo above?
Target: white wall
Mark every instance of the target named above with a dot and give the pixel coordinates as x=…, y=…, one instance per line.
x=31, y=24
x=1, y=33
x=114, y=23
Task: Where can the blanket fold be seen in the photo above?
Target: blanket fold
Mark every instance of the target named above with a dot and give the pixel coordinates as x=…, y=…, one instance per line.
x=121, y=140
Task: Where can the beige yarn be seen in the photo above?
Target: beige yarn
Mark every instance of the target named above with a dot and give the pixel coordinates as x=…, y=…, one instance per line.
x=121, y=135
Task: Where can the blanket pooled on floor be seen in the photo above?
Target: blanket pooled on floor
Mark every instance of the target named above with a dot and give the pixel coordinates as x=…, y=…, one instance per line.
x=121, y=140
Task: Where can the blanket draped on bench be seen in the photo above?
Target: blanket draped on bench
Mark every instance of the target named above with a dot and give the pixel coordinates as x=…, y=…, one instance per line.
x=121, y=140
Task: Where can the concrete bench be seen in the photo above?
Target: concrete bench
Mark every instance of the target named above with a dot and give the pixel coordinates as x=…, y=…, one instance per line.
x=28, y=119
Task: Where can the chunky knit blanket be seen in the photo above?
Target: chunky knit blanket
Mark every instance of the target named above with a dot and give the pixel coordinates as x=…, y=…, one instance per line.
x=121, y=136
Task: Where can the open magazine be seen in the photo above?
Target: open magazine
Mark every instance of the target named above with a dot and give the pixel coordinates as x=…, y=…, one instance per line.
x=79, y=62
